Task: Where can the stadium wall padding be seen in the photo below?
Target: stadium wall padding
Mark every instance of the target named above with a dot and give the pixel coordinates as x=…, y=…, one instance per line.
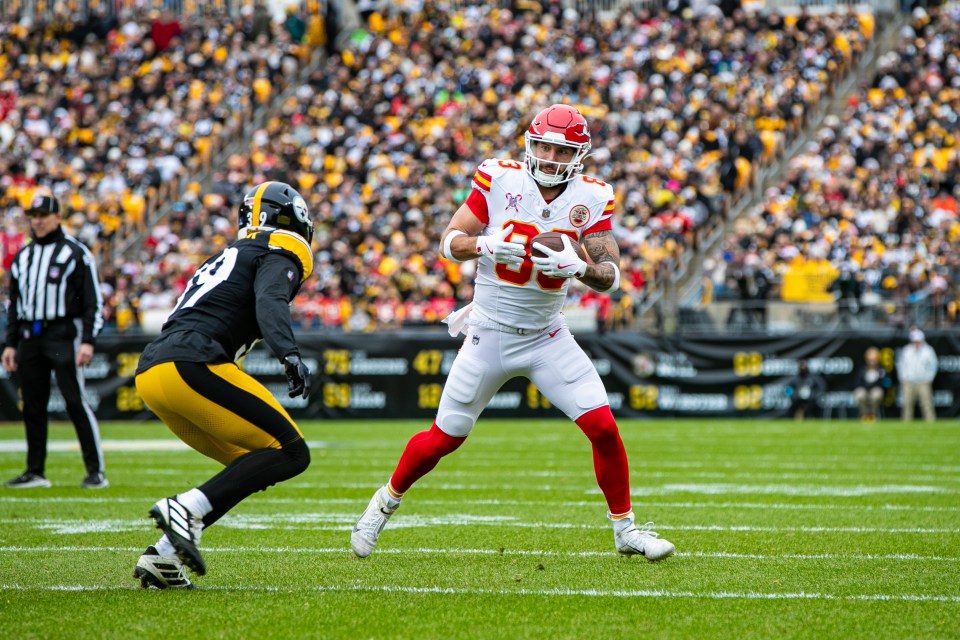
x=401, y=375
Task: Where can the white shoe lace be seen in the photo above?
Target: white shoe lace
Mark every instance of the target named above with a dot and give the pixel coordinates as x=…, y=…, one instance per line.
x=382, y=513
x=371, y=523
x=644, y=541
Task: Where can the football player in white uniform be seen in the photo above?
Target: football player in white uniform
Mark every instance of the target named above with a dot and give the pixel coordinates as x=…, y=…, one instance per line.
x=514, y=326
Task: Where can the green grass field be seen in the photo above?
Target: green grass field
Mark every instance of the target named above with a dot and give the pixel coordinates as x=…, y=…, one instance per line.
x=783, y=530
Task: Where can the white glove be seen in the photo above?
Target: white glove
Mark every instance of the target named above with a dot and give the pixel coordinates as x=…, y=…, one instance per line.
x=560, y=264
x=502, y=251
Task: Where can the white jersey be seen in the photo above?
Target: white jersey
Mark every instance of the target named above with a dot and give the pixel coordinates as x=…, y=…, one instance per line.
x=504, y=194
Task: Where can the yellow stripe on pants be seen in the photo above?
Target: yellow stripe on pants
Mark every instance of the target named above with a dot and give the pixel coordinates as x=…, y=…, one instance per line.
x=214, y=430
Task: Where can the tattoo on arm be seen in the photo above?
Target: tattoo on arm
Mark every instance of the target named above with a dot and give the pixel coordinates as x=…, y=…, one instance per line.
x=601, y=247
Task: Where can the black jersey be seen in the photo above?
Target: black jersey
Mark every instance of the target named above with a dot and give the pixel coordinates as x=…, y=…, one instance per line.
x=237, y=297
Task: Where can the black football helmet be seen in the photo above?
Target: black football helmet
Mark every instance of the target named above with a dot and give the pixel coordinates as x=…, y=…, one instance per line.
x=275, y=205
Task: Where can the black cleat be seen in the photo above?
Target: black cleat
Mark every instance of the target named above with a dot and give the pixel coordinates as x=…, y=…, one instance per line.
x=28, y=480
x=182, y=529
x=95, y=481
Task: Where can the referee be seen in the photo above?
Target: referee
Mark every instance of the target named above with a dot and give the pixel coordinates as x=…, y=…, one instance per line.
x=54, y=317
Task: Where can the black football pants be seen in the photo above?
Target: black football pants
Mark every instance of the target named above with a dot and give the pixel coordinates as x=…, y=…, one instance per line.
x=225, y=414
x=36, y=358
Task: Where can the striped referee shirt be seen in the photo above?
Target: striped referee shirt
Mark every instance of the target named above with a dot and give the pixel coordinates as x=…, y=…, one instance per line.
x=52, y=279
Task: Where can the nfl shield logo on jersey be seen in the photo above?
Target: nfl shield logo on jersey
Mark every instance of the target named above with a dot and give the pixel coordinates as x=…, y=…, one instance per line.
x=476, y=339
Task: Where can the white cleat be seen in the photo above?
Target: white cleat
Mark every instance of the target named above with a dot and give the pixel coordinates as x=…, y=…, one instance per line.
x=371, y=523
x=183, y=530
x=160, y=572
x=633, y=540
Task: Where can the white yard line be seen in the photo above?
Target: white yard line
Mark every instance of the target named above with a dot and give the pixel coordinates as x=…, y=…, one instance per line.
x=41, y=498
x=601, y=593
x=146, y=445
x=344, y=522
x=911, y=557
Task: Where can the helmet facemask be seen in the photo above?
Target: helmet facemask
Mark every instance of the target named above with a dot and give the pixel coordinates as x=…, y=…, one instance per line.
x=558, y=125
x=566, y=171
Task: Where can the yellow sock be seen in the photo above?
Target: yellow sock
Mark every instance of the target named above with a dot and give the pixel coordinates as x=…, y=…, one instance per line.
x=393, y=492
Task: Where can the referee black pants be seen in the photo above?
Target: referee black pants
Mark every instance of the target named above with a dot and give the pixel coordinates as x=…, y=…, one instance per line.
x=36, y=358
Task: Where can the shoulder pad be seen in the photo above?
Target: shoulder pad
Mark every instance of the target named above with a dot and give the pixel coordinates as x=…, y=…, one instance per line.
x=492, y=169
x=499, y=166
x=296, y=245
x=594, y=186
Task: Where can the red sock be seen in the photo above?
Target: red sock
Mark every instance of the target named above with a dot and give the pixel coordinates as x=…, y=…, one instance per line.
x=421, y=455
x=609, y=457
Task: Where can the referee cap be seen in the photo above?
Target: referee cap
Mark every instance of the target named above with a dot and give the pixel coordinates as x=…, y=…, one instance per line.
x=43, y=205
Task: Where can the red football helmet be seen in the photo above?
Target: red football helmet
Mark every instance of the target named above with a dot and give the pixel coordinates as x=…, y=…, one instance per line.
x=557, y=124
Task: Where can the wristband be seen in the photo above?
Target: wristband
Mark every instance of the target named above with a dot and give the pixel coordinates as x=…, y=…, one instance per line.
x=446, y=251
x=616, y=277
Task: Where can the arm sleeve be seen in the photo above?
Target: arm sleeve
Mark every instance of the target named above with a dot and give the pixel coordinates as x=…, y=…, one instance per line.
x=92, y=300
x=277, y=282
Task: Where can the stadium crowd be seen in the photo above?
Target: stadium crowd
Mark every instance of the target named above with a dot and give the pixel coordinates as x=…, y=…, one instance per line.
x=867, y=214
x=117, y=114
x=383, y=137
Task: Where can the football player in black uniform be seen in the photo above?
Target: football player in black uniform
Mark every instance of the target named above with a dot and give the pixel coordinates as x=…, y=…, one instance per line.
x=188, y=376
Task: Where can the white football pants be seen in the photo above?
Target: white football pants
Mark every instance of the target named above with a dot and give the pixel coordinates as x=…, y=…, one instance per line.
x=552, y=360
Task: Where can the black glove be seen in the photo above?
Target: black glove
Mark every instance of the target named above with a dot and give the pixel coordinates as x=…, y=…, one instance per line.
x=298, y=376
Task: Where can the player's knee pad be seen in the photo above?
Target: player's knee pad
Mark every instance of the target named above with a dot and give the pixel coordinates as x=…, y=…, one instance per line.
x=458, y=425
x=590, y=396
x=571, y=364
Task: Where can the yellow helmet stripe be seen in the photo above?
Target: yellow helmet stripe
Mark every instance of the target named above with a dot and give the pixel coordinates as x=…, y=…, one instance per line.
x=255, y=210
